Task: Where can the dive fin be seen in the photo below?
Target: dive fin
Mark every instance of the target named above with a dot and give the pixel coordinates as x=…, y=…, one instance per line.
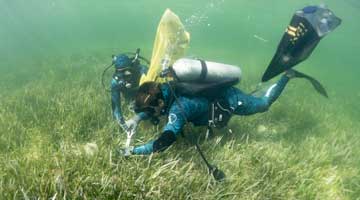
x=316, y=84
x=307, y=27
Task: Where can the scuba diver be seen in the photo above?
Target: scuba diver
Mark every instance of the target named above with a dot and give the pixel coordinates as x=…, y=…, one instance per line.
x=125, y=81
x=203, y=92
x=212, y=110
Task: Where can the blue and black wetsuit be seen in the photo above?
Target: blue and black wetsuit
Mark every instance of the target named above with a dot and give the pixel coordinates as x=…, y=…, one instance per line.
x=118, y=87
x=196, y=111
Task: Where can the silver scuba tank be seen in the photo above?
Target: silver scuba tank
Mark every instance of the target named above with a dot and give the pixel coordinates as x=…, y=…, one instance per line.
x=194, y=70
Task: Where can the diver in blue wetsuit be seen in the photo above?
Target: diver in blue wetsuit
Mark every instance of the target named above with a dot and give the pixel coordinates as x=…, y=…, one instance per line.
x=307, y=27
x=157, y=99
x=124, y=82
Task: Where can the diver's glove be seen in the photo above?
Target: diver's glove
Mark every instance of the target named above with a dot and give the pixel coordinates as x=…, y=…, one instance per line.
x=128, y=151
x=133, y=123
x=125, y=152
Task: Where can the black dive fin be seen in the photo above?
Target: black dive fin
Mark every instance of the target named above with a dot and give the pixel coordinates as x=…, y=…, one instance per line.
x=316, y=84
x=307, y=27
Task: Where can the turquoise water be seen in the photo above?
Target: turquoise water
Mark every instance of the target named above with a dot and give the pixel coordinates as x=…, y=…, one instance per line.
x=41, y=38
x=221, y=30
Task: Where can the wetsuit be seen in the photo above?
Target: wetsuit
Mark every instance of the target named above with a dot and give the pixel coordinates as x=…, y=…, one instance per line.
x=196, y=111
x=118, y=87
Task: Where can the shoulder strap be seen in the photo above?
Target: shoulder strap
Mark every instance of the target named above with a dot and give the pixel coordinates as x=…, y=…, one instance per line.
x=204, y=70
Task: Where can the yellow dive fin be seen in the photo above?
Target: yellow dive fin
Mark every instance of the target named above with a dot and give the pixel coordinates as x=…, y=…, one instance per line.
x=170, y=44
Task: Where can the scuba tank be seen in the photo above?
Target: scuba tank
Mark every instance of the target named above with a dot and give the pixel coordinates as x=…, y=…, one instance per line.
x=200, y=71
x=195, y=77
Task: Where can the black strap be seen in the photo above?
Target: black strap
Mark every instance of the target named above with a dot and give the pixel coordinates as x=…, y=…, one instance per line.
x=204, y=70
x=219, y=113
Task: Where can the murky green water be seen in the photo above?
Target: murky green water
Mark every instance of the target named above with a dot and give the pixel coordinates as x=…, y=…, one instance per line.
x=243, y=32
x=45, y=40
x=221, y=30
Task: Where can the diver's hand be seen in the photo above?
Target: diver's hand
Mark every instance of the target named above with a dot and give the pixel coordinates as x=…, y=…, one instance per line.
x=133, y=123
x=125, y=152
x=128, y=151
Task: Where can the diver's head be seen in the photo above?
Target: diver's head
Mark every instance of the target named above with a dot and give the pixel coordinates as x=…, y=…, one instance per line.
x=121, y=62
x=149, y=99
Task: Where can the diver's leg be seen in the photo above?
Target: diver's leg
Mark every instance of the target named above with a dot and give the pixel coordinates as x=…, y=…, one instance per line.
x=244, y=104
x=275, y=90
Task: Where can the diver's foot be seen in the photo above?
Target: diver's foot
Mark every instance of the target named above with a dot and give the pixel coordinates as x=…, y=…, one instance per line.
x=291, y=73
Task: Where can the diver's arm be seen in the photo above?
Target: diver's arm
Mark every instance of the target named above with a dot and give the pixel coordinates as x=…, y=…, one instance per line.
x=166, y=139
x=171, y=130
x=116, y=102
